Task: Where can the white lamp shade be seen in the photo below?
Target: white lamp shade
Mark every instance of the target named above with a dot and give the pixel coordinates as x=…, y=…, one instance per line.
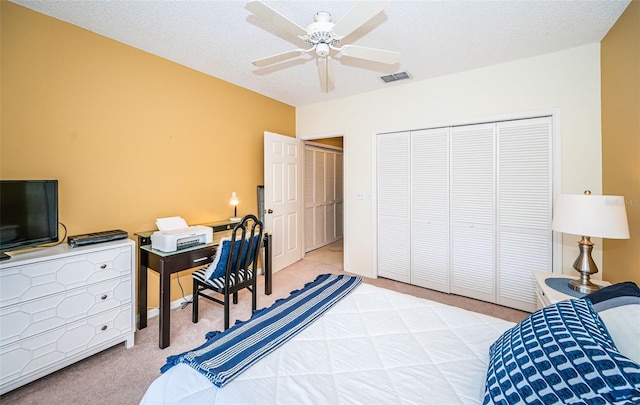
x=234, y=199
x=602, y=216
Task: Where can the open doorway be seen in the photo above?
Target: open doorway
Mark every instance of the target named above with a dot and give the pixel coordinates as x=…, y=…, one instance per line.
x=323, y=194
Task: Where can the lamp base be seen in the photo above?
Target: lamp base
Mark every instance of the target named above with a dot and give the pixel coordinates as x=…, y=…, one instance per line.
x=585, y=288
x=584, y=265
x=235, y=219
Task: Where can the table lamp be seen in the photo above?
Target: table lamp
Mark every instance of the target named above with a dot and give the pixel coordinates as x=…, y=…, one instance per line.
x=586, y=215
x=234, y=201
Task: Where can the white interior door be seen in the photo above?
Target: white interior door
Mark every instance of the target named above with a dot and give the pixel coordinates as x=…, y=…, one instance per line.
x=283, y=199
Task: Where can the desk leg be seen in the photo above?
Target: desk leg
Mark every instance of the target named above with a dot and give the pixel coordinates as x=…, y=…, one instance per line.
x=165, y=307
x=142, y=295
x=268, y=265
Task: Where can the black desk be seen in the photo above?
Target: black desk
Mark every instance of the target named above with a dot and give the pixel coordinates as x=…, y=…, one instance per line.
x=167, y=263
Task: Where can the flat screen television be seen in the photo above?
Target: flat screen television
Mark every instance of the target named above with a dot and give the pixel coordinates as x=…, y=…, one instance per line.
x=28, y=214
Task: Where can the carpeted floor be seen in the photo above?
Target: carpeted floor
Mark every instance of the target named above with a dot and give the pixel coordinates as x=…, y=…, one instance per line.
x=121, y=376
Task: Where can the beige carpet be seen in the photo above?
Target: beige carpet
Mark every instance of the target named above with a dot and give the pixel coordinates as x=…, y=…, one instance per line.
x=121, y=376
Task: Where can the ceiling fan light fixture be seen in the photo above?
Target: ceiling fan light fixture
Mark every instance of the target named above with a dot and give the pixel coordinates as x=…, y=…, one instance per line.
x=395, y=77
x=322, y=50
x=322, y=16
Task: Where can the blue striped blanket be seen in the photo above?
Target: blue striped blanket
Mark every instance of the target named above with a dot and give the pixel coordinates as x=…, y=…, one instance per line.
x=227, y=354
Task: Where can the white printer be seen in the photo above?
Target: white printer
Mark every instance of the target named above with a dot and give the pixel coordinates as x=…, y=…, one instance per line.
x=173, y=234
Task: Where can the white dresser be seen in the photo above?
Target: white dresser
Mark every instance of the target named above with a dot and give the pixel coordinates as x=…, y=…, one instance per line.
x=59, y=305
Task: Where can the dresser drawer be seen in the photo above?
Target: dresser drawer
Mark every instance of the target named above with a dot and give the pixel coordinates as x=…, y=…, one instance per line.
x=40, y=315
x=47, y=277
x=49, y=350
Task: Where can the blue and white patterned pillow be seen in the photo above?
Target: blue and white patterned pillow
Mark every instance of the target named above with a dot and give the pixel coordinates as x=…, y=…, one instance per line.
x=561, y=354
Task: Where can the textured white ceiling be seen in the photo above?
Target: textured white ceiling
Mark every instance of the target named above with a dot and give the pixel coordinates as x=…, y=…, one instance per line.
x=221, y=38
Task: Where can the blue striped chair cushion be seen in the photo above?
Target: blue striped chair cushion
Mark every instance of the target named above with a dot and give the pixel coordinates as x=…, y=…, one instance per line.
x=218, y=283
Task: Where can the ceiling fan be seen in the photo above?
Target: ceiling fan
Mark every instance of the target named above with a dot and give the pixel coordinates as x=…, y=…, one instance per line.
x=323, y=36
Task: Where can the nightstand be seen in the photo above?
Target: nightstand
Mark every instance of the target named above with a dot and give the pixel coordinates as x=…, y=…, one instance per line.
x=548, y=295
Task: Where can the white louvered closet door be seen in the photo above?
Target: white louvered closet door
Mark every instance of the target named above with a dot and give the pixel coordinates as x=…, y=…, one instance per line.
x=393, y=234
x=430, y=208
x=473, y=211
x=323, y=197
x=339, y=196
x=309, y=199
x=330, y=197
x=524, y=209
x=320, y=179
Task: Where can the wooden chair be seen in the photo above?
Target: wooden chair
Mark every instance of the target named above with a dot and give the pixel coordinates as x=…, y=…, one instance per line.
x=233, y=269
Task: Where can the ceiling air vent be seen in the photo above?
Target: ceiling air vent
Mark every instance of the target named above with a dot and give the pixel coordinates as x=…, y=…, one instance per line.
x=395, y=77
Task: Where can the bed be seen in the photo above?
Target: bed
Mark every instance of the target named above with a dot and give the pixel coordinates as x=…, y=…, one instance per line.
x=374, y=346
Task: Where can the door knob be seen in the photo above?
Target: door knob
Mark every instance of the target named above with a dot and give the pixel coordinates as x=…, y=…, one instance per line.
x=269, y=211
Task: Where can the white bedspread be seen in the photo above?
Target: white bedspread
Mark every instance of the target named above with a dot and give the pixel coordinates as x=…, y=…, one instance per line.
x=374, y=346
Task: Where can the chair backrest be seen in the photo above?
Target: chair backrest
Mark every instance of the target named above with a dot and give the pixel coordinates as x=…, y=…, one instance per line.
x=246, y=240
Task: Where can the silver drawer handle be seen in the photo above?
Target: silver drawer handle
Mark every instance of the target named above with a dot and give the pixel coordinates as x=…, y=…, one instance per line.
x=200, y=259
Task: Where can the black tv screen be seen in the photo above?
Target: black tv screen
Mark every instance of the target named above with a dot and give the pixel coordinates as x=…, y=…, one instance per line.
x=28, y=213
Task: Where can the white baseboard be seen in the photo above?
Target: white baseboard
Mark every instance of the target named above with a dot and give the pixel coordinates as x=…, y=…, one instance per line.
x=152, y=313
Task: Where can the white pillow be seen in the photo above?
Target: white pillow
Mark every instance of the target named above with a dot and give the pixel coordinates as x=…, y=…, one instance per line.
x=623, y=323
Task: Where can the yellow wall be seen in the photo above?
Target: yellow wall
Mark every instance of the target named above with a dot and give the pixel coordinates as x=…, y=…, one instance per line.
x=131, y=137
x=621, y=139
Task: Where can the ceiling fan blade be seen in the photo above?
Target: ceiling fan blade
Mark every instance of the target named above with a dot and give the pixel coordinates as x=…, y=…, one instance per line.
x=325, y=70
x=372, y=54
x=266, y=13
x=359, y=14
x=281, y=57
